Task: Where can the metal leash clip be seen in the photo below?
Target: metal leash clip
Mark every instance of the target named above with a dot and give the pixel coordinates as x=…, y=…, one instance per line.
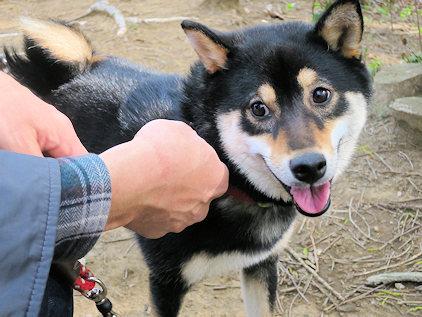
x=99, y=297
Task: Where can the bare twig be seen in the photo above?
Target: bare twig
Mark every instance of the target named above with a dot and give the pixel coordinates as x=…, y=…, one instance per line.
x=158, y=20
x=288, y=290
x=324, y=291
x=407, y=200
x=391, y=266
x=398, y=236
x=354, y=223
x=354, y=299
x=320, y=240
x=310, y=270
x=414, y=219
x=293, y=281
x=358, y=243
x=365, y=259
x=373, y=170
x=291, y=305
x=117, y=240
x=402, y=154
x=315, y=250
x=302, y=225
x=128, y=249
x=403, y=173
x=382, y=160
x=279, y=306
x=10, y=34
x=331, y=244
x=413, y=184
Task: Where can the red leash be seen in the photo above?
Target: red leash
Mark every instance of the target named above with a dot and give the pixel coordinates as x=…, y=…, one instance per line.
x=82, y=283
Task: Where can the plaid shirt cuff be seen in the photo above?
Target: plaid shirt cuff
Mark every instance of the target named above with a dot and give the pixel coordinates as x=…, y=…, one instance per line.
x=84, y=207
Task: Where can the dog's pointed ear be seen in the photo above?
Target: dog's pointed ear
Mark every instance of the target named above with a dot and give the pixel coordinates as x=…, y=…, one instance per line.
x=208, y=44
x=341, y=26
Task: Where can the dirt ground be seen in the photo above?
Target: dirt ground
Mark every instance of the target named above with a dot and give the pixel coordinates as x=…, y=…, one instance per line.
x=377, y=199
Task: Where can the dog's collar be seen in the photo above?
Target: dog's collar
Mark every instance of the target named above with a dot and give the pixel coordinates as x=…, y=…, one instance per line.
x=237, y=193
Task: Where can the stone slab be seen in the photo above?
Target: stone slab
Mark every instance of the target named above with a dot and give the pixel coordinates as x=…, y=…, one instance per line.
x=391, y=83
x=408, y=109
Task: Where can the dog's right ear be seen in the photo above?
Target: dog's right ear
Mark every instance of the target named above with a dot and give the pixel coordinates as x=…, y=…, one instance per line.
x=341, y=26
x=208, y=44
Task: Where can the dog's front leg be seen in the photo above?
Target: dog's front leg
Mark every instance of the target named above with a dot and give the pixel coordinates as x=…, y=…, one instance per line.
x=259, y=286
x=167, y=292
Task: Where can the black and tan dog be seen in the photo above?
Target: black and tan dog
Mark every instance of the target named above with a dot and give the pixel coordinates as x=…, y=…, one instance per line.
x=283, y=105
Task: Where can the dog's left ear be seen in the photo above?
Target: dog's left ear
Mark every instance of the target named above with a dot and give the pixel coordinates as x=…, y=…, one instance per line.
x=341, y=26
x=208, y=44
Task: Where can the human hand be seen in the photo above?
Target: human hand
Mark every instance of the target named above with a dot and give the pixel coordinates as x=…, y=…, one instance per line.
x=163, y=180
x=28, y=125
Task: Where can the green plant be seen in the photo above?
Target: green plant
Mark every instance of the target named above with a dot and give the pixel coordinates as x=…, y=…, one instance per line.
x=290, y=6
x=412, y=58
x=318, y=9
x=374, y=66
x=404, y=13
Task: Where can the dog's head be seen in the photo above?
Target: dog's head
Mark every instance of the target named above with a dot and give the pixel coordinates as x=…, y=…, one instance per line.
x=288, y=102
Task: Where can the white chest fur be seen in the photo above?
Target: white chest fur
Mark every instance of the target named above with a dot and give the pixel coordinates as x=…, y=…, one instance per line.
x=204, y=265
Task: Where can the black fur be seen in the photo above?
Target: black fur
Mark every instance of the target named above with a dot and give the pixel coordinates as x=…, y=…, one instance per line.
x=113, y=99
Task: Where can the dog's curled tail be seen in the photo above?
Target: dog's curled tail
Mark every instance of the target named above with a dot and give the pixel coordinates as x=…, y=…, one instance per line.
x=55, y=52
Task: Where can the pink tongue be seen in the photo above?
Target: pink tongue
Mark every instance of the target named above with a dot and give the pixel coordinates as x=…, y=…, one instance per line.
x=311, y=199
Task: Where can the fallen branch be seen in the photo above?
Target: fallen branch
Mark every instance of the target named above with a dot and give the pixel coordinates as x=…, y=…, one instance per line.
x=103, y=6
x=394, y=277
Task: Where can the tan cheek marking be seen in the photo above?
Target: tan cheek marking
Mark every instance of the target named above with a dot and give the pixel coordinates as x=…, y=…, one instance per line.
x=279, y=146
x=324, y=137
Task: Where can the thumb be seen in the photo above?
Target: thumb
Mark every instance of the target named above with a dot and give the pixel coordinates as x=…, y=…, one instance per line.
x=73, y=147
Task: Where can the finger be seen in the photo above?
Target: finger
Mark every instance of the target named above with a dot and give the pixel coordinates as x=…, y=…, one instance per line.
x=66, y=143
x=25, y=144
x=28, y=148
x=223, y=184
x=202, y=213
x=71, y=147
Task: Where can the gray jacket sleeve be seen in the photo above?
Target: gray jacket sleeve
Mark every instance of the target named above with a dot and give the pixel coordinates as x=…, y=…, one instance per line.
x=29, y=206
x=49, y=208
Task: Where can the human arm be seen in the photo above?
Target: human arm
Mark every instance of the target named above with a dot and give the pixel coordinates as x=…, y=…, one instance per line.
x=163, y=180
x=29, y=125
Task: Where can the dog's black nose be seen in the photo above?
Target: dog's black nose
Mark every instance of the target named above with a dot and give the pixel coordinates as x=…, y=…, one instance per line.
x=308, y=167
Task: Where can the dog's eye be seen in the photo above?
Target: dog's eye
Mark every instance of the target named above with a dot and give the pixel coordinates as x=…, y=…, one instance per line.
x=321, y=96
x=259, y=110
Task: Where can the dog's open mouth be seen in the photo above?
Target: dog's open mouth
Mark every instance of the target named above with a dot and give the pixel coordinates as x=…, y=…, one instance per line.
x=311, y=201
